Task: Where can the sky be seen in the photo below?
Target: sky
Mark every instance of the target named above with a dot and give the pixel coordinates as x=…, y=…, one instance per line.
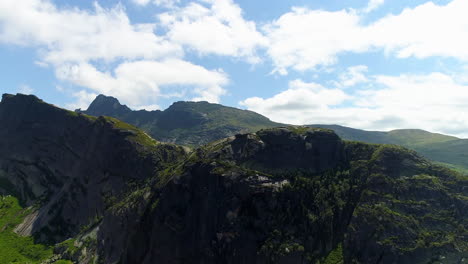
x=368, y=64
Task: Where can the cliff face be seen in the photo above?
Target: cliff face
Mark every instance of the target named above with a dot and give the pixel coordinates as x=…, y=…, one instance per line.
x=283, y=195
x=310, y=198
x=70, y=166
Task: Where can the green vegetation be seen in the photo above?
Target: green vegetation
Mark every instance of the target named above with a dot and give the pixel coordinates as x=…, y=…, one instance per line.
x=445, y=150
x=185, y=123
x=63, y=262
x=136, y=135
x=416, y=137
x=300, y=130
x=335, y=256
x=310, y=204
x=453, y=153
x=15, y=249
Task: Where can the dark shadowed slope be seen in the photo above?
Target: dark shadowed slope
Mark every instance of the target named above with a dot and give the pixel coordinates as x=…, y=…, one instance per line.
x=185, y=123
x=68, y=169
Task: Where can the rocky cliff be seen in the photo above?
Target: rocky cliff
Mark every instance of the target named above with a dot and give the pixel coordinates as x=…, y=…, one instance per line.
x=292, y=195
x=70, y=168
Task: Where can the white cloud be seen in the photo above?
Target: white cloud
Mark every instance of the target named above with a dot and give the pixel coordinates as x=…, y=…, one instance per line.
x=141, y=2
x=66, y=35
x=425, y=31
x=373, y=5
x=142, y=66
x=163, y=3
x=303, y=39
x=214, y=27
x=25, y=89
x=297, y=104
x=435, y=102
x=141, y=83
x=166, y=3
x=352, y=76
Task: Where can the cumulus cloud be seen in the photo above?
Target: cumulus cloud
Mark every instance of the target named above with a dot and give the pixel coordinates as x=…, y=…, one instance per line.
x=298, y=104
x=303, y=39
x=214, y=27
x=141, y=2
x=353, y=76
x=142, y=82
x=163, y=3
x=141, y=65
x=66, y=35
x=435, y=102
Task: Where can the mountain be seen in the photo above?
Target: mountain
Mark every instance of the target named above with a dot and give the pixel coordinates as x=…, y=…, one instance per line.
x=198, y=123
x=184, y=123
x=63, y=172
x=448, y=150
x=81, y=189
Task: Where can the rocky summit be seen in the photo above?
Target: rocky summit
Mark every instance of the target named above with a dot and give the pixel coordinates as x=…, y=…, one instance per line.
x=98, y=190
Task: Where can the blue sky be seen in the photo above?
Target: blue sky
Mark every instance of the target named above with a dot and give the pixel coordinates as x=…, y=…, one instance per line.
x=375, y=64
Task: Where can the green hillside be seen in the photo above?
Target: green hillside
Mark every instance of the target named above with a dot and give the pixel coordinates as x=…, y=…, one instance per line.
x=447, y=150
x=185, y=123
x=417, y=137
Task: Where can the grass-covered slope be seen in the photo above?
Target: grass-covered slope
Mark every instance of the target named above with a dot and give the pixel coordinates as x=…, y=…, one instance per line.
x=15, y=249
x=185, y=123
x=446, y=150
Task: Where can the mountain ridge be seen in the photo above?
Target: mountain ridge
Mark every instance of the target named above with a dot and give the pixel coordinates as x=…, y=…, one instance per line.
x=198, y=123
x=184, y=122
x=447, y=150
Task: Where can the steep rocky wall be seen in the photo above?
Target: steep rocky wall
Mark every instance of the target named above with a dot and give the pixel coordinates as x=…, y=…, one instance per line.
x=70, y=166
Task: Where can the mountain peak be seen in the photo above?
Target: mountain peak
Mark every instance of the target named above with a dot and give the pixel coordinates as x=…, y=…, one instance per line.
x=107, y=105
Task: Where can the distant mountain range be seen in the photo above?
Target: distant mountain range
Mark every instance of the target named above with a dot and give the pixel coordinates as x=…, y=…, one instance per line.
x=184, y=123
x=198, y=123
x=448, y=150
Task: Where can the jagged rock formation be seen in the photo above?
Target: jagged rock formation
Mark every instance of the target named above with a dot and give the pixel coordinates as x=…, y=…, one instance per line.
x=281, y=195
x=184, y=123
